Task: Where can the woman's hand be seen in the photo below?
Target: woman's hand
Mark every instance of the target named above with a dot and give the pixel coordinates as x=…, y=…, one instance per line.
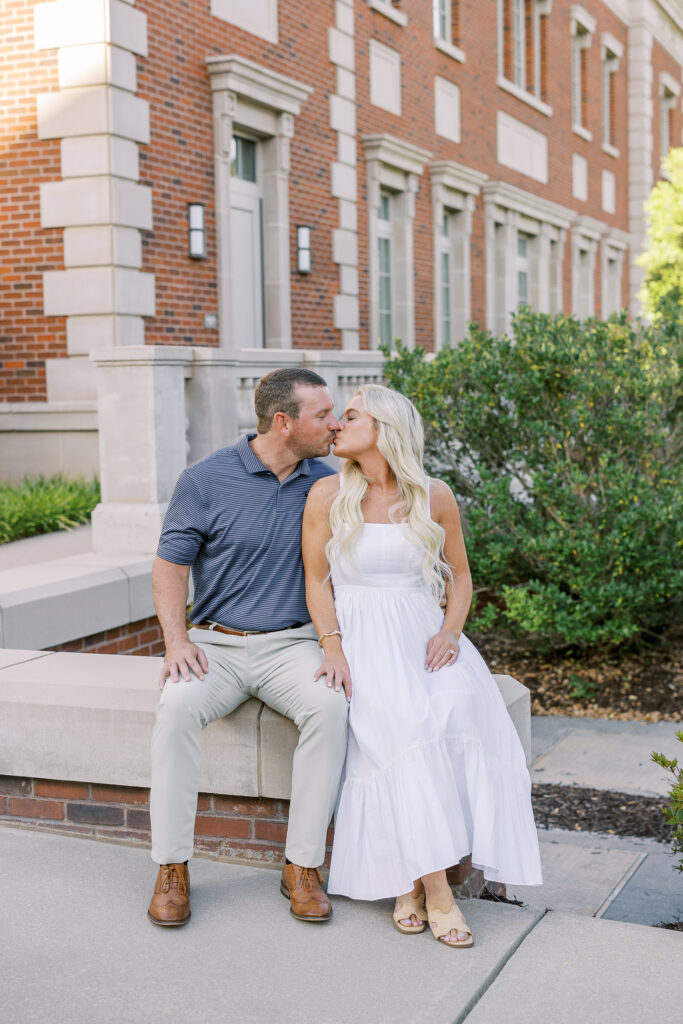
x=442, y=650
x=336, y=668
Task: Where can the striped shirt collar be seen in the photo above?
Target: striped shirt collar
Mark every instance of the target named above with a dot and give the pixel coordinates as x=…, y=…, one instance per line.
x=253, y=464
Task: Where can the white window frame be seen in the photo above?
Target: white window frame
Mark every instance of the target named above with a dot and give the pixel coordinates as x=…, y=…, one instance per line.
x=586, y=236
x=507, y=211
x=441, y=11
x=263, y=104
x=583, y=26
x=454, y=190
x=395, y=166
x=528, y=92
x=669, y=93
x=611, y=52
x=385, y=234
x=613, y=247
x=524, y=266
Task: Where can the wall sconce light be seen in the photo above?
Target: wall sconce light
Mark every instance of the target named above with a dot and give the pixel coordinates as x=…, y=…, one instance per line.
x=303, y=244
x=195, y=220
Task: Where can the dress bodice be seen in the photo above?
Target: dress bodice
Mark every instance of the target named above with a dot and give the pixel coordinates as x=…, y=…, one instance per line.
x=385, y=555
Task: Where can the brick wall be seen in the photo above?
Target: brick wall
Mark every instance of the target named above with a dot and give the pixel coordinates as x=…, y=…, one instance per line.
x=27, y=337
x=178, y=162
x=230, y=828
x=143, y=637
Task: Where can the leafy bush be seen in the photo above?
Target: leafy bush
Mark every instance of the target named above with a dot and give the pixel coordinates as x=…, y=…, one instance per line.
x=674, y=812
x=561, y=446
x=662, y=260
x=40, y=505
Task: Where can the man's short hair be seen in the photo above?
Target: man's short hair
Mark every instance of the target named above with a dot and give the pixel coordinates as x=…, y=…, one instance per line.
x=276, y=393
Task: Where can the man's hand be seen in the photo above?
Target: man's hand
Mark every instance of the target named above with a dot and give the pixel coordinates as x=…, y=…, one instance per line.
x=442, y=650
x=336, y=668
x=183, y=659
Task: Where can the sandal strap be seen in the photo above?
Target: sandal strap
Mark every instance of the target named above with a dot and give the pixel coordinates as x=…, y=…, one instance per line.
x=441, y=924
x=409, y=904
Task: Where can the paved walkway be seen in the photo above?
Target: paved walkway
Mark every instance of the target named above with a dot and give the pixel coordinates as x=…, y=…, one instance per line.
x=79, y=948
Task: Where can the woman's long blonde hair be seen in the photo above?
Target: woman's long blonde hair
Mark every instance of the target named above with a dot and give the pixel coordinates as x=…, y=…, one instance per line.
x=400, y=439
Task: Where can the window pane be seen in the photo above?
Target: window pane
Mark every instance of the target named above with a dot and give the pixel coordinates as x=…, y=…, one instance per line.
x=384, y=254
x=446, y=297
x=446, y=225
x=243, y=159
x=384, y=212
x=576, y=79
x=522, y=288
x=518, y=42
x=440, y=9
x=522, y=246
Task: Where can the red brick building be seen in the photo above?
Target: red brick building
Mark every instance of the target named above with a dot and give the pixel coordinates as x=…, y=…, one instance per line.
x=354, y=171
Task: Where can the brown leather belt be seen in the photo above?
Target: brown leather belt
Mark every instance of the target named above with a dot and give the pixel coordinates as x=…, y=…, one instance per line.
x=213, y=627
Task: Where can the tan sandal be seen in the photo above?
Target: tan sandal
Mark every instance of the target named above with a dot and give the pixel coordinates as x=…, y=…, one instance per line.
x=441, y=924
x=407, y=905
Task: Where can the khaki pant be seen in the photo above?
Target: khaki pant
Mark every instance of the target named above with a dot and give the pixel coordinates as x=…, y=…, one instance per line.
x=277, y=668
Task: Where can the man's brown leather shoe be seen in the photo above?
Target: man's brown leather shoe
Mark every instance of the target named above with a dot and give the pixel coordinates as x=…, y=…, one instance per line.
x=170, y=904
x=307, y=899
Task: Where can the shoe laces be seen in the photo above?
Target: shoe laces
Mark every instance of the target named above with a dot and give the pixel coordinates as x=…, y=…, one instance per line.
x=172, y=873
x=306, y=879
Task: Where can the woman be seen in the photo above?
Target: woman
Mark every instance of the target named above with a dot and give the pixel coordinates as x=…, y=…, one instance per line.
x=434, y=767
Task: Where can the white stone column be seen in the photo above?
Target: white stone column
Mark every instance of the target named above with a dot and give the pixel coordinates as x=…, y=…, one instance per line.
x=640, y=139
x=341, y=47
x=102, y=292
x=143, y=445
x=276, y=262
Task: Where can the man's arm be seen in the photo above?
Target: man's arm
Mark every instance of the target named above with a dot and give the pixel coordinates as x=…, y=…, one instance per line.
x=169, y=586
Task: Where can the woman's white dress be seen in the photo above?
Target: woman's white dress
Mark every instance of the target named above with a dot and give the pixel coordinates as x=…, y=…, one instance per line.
x=435, y=769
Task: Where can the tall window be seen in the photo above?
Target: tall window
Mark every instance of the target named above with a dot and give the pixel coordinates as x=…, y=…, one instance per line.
x=579, y=92
x=522, y=44
x=446, y=281
x=667, y=102
x=583, y=26
x=446, y=20
x=611, y=50
x=523, y=242
x=384, y=268
x=609, y=68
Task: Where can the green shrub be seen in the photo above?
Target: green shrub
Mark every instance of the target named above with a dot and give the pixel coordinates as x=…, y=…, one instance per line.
x=561, y=445
x=40, y=505
x=674, y=811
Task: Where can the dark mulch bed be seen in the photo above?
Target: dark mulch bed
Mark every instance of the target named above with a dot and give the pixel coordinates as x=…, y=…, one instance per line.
x=645, y=684
x=594, y=810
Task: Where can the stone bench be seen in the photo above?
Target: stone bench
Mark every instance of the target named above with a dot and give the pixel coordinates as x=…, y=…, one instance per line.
x=75, y=734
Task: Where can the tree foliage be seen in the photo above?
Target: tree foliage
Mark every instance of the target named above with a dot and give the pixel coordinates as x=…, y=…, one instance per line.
x=561, y=444
x=662, y=292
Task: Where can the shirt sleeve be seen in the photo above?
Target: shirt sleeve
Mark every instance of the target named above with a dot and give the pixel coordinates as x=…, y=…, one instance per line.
x=183, y=532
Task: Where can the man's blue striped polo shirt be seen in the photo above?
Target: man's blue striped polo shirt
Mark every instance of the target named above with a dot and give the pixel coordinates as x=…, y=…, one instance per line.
x=239, y=528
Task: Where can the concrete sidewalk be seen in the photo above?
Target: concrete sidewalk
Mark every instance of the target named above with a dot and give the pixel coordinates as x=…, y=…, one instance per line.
x=631, y=880
x=79, y=948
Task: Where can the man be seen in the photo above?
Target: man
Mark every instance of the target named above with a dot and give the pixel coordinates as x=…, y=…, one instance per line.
x=235, y=521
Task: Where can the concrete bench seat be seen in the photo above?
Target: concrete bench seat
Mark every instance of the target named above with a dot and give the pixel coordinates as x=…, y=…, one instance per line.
x=89, y=718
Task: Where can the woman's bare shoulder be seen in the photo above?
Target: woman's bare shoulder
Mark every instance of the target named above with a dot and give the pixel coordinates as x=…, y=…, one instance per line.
x=441, y=498
x=324, y=489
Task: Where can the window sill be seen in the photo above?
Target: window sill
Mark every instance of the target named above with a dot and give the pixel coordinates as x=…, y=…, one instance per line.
x=578, y=129
x=385, y=8
x=449, y=49
x=610, y=150
x=524, y=96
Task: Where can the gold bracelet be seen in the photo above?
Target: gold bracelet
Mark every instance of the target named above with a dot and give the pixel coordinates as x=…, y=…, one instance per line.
x=334, y=632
